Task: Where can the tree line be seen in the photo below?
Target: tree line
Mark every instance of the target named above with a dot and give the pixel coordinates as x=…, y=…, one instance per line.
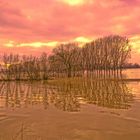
x=102, y=57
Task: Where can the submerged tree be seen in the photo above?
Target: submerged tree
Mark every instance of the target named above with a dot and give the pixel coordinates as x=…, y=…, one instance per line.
x=106, y=54
x=44, y=66
x=65, y=57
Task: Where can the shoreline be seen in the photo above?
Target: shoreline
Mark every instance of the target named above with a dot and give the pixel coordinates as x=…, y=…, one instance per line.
x=73, y=78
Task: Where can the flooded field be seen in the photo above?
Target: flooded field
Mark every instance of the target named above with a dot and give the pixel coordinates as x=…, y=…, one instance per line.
x=71, y=109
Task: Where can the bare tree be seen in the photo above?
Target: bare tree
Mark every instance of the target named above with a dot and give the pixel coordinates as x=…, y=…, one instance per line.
x=64, y=56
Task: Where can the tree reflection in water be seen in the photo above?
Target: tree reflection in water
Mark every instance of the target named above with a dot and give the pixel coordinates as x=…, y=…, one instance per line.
x=67, y=95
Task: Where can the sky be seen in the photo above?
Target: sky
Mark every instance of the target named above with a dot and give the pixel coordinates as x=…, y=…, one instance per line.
x=35, y=26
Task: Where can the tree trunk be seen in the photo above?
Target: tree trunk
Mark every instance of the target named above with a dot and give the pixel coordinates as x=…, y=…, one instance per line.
x=69, y=72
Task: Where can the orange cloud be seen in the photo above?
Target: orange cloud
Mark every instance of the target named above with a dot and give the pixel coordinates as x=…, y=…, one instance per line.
x=73, y=2
x=82, y=39
x=38, y=44
x=76, y=2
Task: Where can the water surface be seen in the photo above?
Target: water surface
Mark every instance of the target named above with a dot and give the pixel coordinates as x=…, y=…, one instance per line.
x=74, y=109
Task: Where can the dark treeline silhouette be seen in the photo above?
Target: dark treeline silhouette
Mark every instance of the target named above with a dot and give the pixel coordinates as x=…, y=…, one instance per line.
x=102, y=57
x=131, y=65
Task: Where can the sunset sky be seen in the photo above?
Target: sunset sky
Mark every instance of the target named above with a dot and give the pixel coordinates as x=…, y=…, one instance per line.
x=34, y=26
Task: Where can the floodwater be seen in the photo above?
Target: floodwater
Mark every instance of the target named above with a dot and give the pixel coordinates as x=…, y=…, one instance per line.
x=74, y=109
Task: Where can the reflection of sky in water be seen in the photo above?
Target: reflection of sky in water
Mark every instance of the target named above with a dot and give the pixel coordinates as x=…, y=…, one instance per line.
x=132, y=73
x=135, y=87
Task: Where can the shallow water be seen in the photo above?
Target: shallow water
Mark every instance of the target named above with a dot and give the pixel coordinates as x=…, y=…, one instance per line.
x=75, y=109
